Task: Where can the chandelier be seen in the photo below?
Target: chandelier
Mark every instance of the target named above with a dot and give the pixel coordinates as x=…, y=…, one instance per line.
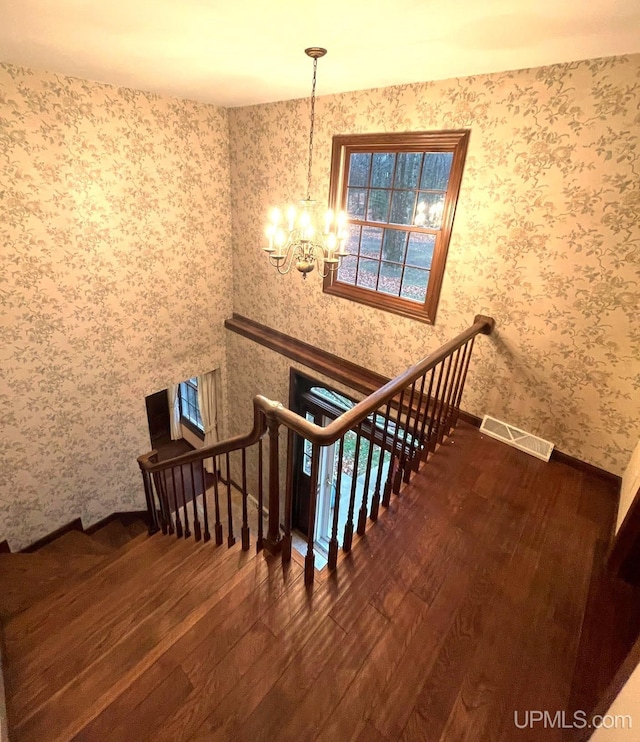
x=297, y=237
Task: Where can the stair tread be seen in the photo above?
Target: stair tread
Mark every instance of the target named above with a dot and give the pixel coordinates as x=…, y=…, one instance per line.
x=40, y=669
x=90, y=688
x=26, y=579
x=113, y=534
x=136, y=527
x=75, y=542
x=78, y=592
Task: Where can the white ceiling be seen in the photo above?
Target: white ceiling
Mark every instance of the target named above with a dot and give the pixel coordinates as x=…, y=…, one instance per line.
x=238, y=53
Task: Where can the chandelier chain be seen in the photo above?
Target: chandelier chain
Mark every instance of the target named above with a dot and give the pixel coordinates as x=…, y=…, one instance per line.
x=313, y=118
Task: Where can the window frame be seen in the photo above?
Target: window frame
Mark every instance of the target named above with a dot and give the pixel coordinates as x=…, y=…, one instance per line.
x=186, y=421
x=453, y=140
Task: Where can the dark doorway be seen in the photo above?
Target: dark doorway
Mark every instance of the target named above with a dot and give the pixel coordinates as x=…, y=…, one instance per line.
x=158, y=417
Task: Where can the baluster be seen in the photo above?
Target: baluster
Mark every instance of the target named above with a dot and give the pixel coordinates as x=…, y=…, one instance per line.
x=409, y=463
x=430, y=445
x=216, y=501
x=310, y=557
x=402, y=460
x=390, y=474
x=164, y=505
x=205, y=507
x=259, y=544
x=153, y=526
x=288, y=499
x=273, y=541
x=348, y=528
x=462, y=382
x=457, y=367
x=231, y=539
x=197, y=530
x=333, y=543
x=176, y=507
x=362, y=516
x=421, y=440
x=456, y=387
x=446, y=400
x=187, y=531
x=443, y=396
x=245, y=514
x=375, y=502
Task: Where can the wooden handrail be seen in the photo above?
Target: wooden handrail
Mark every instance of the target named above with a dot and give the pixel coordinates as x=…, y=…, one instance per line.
x=167, y=478
x=266, y=409
x=326, y=435
x=261, y=406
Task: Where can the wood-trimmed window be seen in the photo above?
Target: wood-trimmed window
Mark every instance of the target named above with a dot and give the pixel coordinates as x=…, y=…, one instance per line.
x=189, y=408
x=383, y=182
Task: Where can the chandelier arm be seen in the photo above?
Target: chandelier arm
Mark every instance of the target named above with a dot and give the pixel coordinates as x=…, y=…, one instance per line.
x=287, y=263
x=283, y=271
x=319, y=257
x=289, y=256
x=324, y=273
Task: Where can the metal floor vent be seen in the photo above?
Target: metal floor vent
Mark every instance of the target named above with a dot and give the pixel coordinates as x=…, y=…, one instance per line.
x=517, y=438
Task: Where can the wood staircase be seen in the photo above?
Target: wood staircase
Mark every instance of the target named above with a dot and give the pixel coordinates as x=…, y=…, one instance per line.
x=85, y=615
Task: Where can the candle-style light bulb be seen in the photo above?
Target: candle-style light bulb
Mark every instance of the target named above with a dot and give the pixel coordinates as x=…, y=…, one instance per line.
x=270, y=231
x=291, y=216
x=332, y=241
x=328, y=221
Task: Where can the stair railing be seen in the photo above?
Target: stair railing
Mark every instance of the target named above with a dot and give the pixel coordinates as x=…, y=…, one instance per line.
x=402, y=423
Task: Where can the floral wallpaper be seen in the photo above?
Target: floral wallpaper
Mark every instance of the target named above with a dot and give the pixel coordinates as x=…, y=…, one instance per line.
x=115, y=280
x=131, y=226
x=546, y=240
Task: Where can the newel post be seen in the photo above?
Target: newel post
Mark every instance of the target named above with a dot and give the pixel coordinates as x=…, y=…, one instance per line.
x=273, y=542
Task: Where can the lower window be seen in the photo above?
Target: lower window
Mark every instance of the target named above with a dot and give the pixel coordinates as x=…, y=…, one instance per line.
x=189, y=409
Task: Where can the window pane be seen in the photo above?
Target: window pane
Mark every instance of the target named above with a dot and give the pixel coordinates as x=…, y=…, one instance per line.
x=371, y=242
x=378, y=207
x=408, y=170
x=382, y=174
x=414, y=284
x=356, y=200
x=347, y=271
x=368, y=273
x=390, y=276
x=435, y=171
x=359, y=164
x=420, y=249
x=352, y=243
x=308, y=449
x=402, y=207
x=432, y=205
x=393, y=245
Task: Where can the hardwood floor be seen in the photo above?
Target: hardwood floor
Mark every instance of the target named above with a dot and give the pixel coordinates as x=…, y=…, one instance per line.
x=461, y=606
